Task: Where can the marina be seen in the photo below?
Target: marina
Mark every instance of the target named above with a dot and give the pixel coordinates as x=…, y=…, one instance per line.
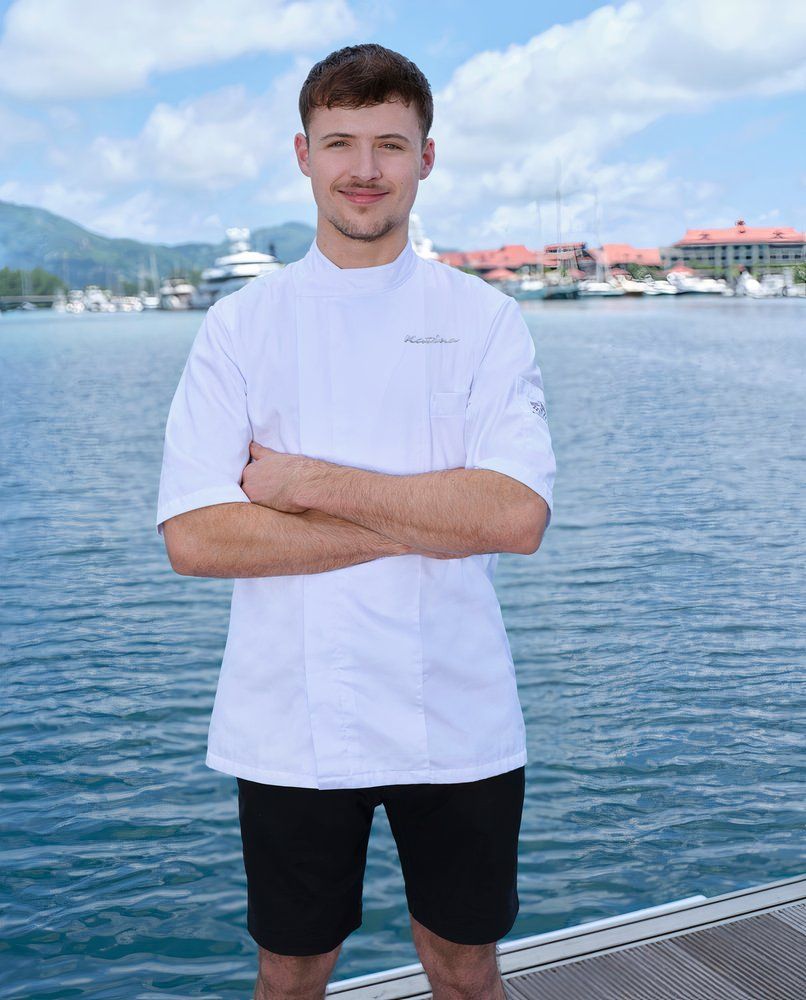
x=752, y=263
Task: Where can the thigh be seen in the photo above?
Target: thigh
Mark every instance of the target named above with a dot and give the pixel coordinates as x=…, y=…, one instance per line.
x=304, y=852
x=458, y=847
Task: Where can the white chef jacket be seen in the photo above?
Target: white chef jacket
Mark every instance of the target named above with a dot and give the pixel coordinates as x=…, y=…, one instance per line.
x=399, y=669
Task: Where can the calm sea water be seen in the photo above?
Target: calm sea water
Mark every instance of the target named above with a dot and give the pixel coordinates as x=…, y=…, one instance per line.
x=658, y=637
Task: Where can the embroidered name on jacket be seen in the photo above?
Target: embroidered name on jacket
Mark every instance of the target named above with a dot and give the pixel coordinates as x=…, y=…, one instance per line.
x=429, y=340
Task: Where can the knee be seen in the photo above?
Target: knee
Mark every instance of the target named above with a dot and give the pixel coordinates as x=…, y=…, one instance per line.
x=302, y=977
x=463, y=972
x=470, y=981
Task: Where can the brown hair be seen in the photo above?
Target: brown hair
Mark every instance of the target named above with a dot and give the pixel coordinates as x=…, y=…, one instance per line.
x=361, y=75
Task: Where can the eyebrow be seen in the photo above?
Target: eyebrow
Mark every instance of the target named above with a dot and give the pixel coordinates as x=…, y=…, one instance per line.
x=348, y=135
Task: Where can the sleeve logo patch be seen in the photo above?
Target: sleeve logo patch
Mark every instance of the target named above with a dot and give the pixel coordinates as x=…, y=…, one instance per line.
x=531, y=390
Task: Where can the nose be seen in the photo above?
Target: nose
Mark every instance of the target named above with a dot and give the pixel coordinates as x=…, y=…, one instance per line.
x=365, y=165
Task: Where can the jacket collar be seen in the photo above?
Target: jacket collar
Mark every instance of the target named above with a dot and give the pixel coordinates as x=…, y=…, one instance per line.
x=318, y=275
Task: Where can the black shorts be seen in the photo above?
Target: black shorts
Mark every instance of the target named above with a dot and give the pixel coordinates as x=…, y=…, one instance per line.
x=305, y=852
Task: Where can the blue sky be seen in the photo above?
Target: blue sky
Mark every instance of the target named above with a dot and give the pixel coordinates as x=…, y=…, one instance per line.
x=172, y=122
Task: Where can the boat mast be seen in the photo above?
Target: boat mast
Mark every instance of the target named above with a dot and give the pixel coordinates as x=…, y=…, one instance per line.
x=600, y=267
x=561, y=261
x=540, y=238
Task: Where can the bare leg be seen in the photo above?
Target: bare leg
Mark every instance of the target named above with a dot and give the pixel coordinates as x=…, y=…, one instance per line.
x=301, y=977
x=458, y=971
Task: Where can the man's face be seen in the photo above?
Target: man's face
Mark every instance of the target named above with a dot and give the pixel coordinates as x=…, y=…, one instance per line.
x=365, y=165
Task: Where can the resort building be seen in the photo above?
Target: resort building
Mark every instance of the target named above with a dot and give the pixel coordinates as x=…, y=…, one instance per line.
x=574, y=258
x=513, y=257
x=741, y=247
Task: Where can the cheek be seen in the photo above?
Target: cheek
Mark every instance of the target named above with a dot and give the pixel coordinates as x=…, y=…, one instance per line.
x=407, y=176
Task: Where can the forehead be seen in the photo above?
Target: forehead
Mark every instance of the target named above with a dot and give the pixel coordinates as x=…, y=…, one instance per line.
x=376, y=119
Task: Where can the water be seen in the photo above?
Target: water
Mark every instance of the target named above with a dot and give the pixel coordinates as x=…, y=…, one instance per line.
x=658, y=638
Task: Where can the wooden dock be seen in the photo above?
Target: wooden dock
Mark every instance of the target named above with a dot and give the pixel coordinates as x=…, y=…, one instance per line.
x=743, y=945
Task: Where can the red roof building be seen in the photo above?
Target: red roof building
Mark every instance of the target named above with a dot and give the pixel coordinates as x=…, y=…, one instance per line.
x=523, y=261
x=500, y=274
x=741, y=233
x=513, y=257
x=741, y=245
x=621, y=254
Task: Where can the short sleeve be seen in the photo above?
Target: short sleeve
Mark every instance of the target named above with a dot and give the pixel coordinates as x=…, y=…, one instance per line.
x=207, y=433
x=506, y=426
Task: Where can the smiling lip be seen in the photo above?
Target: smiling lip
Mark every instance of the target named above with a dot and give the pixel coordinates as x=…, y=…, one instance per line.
x=363, y=197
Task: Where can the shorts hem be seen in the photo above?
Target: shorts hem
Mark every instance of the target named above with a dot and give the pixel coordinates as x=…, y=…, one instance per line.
x=466, y=936
x=319, y=946
x=367, y=779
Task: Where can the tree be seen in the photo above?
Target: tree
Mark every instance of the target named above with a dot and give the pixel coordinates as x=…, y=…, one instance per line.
x=36, y=282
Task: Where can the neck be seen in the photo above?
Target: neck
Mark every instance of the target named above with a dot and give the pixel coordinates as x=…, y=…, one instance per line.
x=347, y=253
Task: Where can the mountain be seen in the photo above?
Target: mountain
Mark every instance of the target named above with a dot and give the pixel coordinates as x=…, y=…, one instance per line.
x=33, y=237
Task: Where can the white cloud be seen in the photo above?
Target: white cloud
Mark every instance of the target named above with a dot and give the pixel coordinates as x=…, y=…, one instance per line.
x=15, y=130
x=139, y=216
x=576, y=92
x=296, y=191
x=573, y=95
x=63, y=199
x=209, y=143
x=62, y=49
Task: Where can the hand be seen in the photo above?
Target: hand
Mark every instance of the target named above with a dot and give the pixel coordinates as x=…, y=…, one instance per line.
x=270, y=476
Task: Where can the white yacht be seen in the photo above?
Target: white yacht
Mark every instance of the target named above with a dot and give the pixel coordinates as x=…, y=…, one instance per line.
x=655, y=286
x=530, y=287
x=770, y=286
x=602, y=289
x=635, y=286
x=603, y=284
x=234, y=270
x=176, y=293
x=688, y=283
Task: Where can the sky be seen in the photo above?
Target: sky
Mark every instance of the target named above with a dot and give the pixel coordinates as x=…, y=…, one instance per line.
x=169, y=122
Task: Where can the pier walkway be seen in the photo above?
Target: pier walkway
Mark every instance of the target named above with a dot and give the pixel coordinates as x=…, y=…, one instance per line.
x=743, y=945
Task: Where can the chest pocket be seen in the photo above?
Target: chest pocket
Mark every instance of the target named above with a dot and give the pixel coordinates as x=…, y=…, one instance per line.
x=449, y=404
x=447, y=411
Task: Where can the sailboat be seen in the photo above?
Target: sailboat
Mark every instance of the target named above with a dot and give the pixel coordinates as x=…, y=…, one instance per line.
x=531, y=286
x=603, y=284
x=560, y=285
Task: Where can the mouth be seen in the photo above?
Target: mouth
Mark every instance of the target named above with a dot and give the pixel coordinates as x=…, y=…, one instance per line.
x=362, y=197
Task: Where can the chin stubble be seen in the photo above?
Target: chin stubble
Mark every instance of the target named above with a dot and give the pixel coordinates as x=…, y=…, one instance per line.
x=352, y=232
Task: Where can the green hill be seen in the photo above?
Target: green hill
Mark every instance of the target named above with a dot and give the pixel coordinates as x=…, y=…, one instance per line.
x=33, y=237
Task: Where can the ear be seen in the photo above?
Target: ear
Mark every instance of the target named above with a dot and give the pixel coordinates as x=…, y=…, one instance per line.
x=427, y=159
x=302, y=152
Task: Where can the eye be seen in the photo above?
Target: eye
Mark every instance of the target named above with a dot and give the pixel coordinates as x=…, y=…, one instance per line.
x=393, y=145
x=338, y=142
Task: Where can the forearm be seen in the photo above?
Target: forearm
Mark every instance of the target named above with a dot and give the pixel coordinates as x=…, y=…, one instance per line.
x=235, y=540
x=465, y=511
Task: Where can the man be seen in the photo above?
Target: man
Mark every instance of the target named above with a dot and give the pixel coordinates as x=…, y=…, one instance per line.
x=354, y=439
